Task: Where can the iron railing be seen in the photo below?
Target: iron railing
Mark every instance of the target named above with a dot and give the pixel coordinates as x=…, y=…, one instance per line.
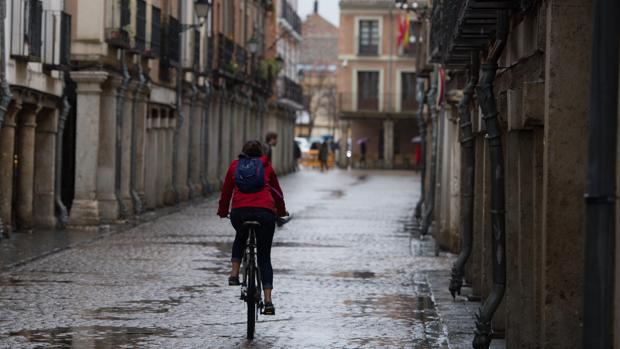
x=209, y=55
x=26, y=23
x=458, y=27
x=241, y=57
x=197, y=50
x=226, y=51
x=118, y=18
x=289, y=89
x=56, y=39
x=141, y=26
x=156, y=33
x=369, y=102
x=289, y=15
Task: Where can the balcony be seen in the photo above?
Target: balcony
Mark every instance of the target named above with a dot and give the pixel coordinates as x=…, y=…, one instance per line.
x=225, y=60
x=241, y=57
x=290, y=90
x=377, y=105
x=209, y=56
x=118, y=18
x=291, y=17
x=56, y=39
x=26, y=23
x=458, y=27
x=140, y=39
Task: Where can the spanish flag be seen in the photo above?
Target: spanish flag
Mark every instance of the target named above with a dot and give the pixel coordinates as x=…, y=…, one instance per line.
x=401, y=30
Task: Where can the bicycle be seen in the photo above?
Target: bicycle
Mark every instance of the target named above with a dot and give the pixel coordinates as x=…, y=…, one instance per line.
x=251, y=287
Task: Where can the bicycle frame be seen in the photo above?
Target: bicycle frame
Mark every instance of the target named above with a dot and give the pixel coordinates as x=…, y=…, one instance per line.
x=250, y=261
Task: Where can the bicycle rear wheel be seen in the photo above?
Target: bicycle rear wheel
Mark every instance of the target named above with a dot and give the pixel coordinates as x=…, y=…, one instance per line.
x=251, y=300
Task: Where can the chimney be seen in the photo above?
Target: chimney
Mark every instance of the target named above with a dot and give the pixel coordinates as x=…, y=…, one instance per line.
x=316, y=7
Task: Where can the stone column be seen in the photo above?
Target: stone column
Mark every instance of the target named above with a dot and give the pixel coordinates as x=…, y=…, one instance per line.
x=85, y=208
x=126, y=139
x=213, y=136
x=7, y=153
x=151, y=171
x=141, y=141
x=45, y=169
x=109, y=206
x=197, y=159
x=388, y=144
x=26, y=135
x=567, y=81
x=169, y=124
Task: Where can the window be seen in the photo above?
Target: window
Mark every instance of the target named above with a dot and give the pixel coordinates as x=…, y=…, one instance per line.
x=407, y=92
x=368, y=37
x=141, y=26
x=368, y=90
x=156, y=32
x=26, y=32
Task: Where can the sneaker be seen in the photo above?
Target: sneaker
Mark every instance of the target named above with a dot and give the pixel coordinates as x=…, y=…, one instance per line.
x=233, y=281
x=269, y=309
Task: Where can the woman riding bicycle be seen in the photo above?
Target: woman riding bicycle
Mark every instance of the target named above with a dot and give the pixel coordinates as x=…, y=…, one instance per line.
x=253, y=199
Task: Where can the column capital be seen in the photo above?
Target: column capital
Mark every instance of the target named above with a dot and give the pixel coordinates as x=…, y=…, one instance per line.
x=89, y=81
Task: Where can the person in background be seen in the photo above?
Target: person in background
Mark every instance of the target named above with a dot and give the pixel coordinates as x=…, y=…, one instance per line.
x=296, y=154
x=271, y=140
x=324, y=155
x=363, y=153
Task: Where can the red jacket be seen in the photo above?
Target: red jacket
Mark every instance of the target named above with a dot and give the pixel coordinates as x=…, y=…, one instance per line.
x=270, y=197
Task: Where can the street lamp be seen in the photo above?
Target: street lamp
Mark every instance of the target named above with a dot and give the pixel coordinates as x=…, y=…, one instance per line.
x=201, y=7
x=253, y=45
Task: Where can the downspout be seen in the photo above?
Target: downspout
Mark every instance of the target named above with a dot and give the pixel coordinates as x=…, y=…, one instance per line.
x=486, y=100
x=123, y=211
x=600, y=197
x=180, y=115
x=204, y=142
x=420, y=82
x=5, y=89
x=430, y=203
x=190, y=147
x=135, y=196
x=61, y=209
x=468, y=177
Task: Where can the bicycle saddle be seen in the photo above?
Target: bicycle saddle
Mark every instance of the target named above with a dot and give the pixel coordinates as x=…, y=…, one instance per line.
x=251, y=224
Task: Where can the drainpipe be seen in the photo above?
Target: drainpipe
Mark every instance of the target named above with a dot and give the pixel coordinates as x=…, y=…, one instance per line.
x=204, y=141
x=5, y=89
x=133, y=181
x=428, y=214
x=180, y=115
x=468, y=177
x=420, y=82
x=123, y=211
x=190, y=150
x=600, y=194
x=486, y=100
x=61, y=209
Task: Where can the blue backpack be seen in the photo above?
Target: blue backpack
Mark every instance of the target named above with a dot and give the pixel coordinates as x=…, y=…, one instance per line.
x=250, y=174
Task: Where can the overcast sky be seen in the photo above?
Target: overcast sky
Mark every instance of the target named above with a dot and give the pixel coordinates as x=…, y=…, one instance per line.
x=329, y=9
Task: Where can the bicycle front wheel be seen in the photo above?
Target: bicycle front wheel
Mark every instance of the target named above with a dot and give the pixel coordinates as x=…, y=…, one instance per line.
x=251, y=300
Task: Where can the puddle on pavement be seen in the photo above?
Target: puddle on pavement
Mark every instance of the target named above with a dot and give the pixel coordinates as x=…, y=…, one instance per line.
x=301, y=245
x=11, y=282
x=94, y=337
x=355, y=274
x=134, y=308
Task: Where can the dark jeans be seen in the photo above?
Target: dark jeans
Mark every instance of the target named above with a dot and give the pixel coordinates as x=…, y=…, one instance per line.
x=264, y=237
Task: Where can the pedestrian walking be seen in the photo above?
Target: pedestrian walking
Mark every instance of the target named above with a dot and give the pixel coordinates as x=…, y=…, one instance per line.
x=324, y=156
x=271, y=140
x=363, y=153
x=251, y=197
x=296, y=154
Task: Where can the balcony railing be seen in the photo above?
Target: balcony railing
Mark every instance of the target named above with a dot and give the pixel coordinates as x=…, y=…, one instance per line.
x=226, y=51
x=118, y=18
x=209, y=53
x=26, y=18
x=156, y=33
x=289, y=89
x=141, y=42
x=289, y=15
x=387, y=102
x=56, y=39
x=241, y=57
x=458, y=27
x=196, y=50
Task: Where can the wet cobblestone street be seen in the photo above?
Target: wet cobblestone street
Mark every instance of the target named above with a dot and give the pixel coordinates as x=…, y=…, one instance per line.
x=348, y=274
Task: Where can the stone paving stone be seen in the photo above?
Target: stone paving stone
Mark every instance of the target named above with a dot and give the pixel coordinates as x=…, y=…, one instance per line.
x=348, y=274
